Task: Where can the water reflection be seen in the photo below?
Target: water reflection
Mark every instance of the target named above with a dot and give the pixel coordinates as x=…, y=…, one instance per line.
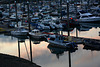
x=41, y=53
x=21, y=39
x=91, y=48
x=87, y=26
x=30, y=48
x=59, y=51
x=37, y=41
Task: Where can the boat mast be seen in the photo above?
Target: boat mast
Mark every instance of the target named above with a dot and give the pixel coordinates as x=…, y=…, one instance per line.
x=28, y=15
x=61, y=9
x=9, y=10
x=16, y=12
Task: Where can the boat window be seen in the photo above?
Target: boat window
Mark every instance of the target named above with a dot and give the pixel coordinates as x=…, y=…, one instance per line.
x=52, y=38
x=33, y=32
x=78, y=17
x=83, y=12
x=37, y=31
x=78, y=14
x=84, y=16
x=91, y=15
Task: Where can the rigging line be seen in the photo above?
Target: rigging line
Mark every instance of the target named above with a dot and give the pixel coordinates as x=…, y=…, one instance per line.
x=26, y=50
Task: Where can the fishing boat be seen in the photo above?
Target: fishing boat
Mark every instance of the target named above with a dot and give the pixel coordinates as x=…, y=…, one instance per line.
x=36, y=34
x=59, y=42
x=19, y=31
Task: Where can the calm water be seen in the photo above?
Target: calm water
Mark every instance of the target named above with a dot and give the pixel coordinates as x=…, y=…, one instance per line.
x=47, y=56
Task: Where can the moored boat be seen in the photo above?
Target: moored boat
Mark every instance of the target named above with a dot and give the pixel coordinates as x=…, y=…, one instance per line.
x=84, y=16
x=19, y=31
x=59, y=42
x=36, y=34
x=92, y=44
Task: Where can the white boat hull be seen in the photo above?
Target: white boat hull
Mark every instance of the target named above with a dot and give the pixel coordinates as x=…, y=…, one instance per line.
x=58, y=44
x=88, y=20
x=18, y=33
x=37, y=37
x=40, y=36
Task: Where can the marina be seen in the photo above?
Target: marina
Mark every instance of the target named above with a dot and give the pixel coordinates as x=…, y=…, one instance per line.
x=50, y=33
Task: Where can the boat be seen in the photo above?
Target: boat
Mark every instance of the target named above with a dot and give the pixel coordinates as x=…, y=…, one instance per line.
x=90, y=48
x=43, y=27
x=58, y=41
x=92, y=44
x=19, y=31
x=72, y=23
x=36, y=34
x=84, y=16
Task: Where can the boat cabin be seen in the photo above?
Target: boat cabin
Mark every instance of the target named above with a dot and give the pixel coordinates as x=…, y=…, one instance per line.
x=35, y=31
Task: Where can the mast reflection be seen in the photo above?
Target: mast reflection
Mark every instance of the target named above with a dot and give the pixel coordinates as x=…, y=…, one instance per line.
x=21, y=39
x=91, y=48
x=18, y=48
x=69, y=58
x=30, y=48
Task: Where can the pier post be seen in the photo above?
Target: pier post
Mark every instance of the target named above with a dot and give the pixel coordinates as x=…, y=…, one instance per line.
x=69, y=58
x=30, y=49
x=16, y=12
x=68, y=31
x=18, y=48
x=61, y=13
x=68, y=17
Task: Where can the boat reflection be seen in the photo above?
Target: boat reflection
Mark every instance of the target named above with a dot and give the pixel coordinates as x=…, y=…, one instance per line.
x=84, y=28
x=59, y=51
x=91, y=48
x=56, y=51
x=37, y=40
x=21, y=38
x=87, y=26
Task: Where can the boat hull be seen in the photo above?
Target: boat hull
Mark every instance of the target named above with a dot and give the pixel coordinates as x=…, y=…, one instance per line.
x=58, y=44
x=18, y=33
x=92, y=20
x=37, y=37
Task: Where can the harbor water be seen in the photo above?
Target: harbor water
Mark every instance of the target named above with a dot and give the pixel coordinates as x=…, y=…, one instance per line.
x=46, y=56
